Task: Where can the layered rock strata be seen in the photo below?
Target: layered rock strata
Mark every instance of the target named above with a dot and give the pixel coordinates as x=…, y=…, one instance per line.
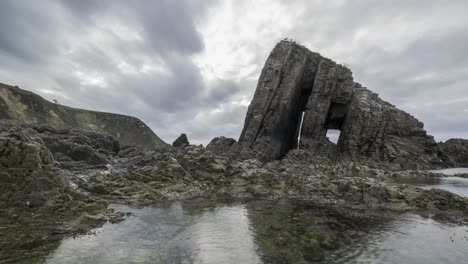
x=301, y=95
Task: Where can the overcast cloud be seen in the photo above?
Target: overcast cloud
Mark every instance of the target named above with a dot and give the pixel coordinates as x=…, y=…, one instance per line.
x=192, y=66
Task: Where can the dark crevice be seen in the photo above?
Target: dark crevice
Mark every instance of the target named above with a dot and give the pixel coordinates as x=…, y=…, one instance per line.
x=336, y=116
x=298, y=114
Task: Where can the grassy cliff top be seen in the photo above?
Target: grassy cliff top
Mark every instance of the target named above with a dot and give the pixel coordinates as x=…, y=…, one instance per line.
x=28, y=107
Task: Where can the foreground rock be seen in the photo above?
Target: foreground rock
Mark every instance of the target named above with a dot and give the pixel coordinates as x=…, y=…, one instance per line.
x=37, y=203
x=457, y=150
x=302, y=94
x=196, y=172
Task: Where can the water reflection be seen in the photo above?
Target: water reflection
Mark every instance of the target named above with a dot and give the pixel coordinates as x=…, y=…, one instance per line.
x=166, y=235
x=452, y=184
x=266, y=232
x=451, y=171
x=415, y=239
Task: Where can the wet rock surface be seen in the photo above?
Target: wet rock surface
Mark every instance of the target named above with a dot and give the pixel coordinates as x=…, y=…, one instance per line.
x=196, y=172
x=38, y=206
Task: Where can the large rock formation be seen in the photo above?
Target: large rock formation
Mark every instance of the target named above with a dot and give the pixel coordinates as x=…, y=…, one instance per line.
x=457, y=150
x=301, y=96
x=28, y=107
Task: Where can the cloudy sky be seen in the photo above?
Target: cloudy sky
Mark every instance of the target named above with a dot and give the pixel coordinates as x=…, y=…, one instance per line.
x=192, y=66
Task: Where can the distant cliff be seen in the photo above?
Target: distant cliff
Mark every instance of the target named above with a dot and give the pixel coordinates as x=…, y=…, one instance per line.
x=457, y=150
x=29, y=107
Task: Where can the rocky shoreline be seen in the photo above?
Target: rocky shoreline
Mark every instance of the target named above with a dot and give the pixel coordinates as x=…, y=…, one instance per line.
x=67, y=197
x=58, y=182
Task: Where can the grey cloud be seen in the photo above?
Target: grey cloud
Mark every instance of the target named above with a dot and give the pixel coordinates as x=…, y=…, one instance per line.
x=46, y=45
x=26, y=32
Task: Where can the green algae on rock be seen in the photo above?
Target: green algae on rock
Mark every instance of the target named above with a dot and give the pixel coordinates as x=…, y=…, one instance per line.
x=38, y=205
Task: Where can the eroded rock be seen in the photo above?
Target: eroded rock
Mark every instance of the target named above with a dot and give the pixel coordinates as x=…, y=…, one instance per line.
x=220, y=145
x=302, y=94
x=36, y=197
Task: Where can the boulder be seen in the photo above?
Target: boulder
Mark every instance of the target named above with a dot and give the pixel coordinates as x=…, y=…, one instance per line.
x=220, y=145
x=181, y=141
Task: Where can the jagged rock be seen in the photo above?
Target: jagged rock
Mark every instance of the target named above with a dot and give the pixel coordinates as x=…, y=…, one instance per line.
x=181, y=141
x=36, y=197
x=193, y=171
x=457, y=150
x=220, y=145
x=297, y=84
x=72, y=148
x=30, y=177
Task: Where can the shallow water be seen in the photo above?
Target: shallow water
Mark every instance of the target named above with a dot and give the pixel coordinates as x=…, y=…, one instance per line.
x=451, y=171
x=166, y=235
x=263, y=233
x=452, y=184
x=414, y=239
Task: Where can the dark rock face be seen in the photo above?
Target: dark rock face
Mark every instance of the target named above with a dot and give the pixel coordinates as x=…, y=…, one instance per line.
x=72, y=148
x=457, y=150
x=302, y=94
x=220, y=145
x=31, y=178
x=38, y=205
x=181, y=141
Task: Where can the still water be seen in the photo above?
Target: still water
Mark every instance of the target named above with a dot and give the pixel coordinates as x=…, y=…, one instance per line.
x=450, y=183
x=268, y=232
x=166, y=235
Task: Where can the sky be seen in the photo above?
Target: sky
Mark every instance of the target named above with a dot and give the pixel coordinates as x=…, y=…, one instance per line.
x=192, y=66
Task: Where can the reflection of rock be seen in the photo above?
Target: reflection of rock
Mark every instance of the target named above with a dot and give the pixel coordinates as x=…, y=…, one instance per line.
x=296, y=83
x=299, y=232
x=181, y=141
x=457, y=149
